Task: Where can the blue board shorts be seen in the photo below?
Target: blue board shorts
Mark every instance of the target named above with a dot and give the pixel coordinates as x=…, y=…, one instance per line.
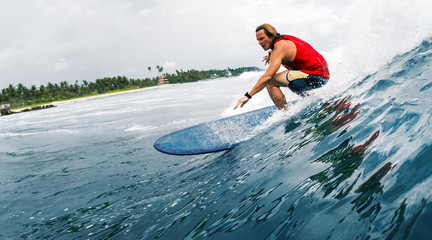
x=300, y=82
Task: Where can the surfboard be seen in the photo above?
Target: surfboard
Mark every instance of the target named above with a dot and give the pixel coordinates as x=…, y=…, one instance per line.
x=213, y=136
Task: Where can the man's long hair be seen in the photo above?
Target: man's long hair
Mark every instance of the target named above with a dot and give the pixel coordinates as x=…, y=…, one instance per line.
x=270, y=31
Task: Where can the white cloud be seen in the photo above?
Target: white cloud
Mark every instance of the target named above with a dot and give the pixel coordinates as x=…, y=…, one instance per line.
x=62, y=65
x=145, y=12
x=169, y=65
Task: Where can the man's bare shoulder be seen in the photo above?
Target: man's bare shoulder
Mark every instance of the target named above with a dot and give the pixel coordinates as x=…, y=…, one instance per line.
x=286, y=44
x=286, y=48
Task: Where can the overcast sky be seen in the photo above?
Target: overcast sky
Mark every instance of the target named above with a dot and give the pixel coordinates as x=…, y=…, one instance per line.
x=66, y=40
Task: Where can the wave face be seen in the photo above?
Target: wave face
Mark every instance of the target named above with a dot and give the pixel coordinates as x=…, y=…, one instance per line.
x=357, y=166
x=352, y=166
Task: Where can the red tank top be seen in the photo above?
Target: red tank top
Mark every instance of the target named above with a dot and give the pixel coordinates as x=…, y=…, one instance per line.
x=307, y=59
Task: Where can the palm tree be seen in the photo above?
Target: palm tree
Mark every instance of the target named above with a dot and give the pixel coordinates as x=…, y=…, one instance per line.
x=11, y=93
x=159, y=68
x=149, y=68
x=85, y=87
x=34, y=92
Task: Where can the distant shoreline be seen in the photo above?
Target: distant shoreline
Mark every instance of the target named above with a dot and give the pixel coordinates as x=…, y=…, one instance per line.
x=85, y=98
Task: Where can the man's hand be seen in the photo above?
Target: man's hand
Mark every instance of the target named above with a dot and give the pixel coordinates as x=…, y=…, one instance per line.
x=241, y=102
x=266, y=59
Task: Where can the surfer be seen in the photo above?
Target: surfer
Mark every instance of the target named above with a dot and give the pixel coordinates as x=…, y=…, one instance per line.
x=306, y=68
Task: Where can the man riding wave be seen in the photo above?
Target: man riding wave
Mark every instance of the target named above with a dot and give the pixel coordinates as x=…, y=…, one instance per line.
x=306, y=68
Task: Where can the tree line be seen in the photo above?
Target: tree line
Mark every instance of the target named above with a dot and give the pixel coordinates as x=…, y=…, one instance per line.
x=20, y=95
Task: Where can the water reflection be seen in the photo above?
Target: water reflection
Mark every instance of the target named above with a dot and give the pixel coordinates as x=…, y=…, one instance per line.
x=336, y=182
x=339, y=179
x=344, y=159
x=368, y=190
x=401, y=224
x=332, y=116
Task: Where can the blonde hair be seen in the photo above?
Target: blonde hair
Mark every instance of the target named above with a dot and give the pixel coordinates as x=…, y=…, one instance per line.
x=269, y=30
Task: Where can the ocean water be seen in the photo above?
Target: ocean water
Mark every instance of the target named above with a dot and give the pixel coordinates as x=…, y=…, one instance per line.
x=354, y=164
x=351, y=161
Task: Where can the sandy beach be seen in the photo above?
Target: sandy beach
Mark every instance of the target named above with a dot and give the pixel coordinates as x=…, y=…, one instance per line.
x=105, y=95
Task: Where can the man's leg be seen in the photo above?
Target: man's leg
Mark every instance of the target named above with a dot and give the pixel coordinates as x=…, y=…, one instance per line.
x=273, y=88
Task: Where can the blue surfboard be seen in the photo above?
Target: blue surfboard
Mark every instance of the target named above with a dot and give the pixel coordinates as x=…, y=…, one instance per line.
x=213, y=136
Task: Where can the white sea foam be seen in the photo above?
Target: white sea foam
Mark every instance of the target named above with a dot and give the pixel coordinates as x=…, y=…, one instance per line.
x=140, y=128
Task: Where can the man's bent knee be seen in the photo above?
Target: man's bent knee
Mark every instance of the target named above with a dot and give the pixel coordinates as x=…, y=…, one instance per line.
x=280, y=79
x=272, y=83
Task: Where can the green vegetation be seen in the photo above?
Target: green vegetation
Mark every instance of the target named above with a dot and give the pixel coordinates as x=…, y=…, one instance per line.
x=20, y=95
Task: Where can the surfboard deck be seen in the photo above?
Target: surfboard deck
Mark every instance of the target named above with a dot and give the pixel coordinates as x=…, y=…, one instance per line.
x=213, y=136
